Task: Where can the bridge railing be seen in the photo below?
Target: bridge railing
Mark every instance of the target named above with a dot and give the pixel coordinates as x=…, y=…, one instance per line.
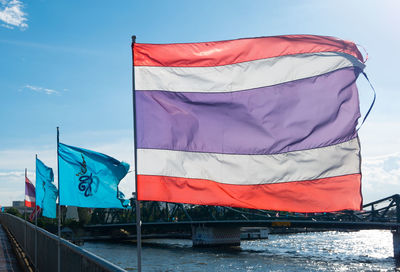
x=73, y=258
x=386, y=209
x=383, y=210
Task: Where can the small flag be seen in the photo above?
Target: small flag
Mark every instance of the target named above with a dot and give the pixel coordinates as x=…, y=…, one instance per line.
x=90, y=179
x=46, y=192
x=261, y=123
x=34, y=213
x=30, y=197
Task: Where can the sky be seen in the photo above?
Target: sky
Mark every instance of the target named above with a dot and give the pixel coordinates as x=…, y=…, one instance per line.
x=68, y=64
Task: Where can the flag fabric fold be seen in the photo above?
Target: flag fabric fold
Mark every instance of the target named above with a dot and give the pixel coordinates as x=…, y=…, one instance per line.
x=49, y=201
x=263, y=123
x=90, y=179
x=34, y=213
x=30, y=198
x=46, y=193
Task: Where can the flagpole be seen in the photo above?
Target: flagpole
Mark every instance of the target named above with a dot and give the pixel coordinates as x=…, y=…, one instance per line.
x=59, y=206
x=138, y=222
x=25, y=211
x=36, y=215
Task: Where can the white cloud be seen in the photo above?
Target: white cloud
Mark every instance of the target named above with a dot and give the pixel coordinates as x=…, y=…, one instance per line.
x=12, y=186
x=12, y=15
x=7, y=26
x=11, y=174
x=41, y=89
x=381, y=176
x=379, y=138
x=7, y=197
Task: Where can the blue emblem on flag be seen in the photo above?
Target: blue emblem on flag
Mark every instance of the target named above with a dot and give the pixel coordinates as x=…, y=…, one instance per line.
x=88, y=184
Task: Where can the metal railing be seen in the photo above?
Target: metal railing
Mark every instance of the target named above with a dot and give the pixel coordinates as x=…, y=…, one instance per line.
x=73, y=258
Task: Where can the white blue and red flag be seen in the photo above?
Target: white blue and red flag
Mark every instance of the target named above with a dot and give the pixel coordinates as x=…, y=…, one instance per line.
x=262, y=123
x=30, y=196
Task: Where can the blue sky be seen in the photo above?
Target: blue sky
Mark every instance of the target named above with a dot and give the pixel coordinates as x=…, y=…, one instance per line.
x=68, y=64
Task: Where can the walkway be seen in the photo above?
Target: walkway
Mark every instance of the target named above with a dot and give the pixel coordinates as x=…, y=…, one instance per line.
x=8, y=261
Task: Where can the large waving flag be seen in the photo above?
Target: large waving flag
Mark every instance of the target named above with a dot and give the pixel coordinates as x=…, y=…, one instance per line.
x=29, y=193
x=90, y=179
x=46, y=192
x=263, y=123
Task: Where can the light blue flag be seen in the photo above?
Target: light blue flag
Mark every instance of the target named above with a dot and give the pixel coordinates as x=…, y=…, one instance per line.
x=49, y=200
x=46, y=191
x=90, y=179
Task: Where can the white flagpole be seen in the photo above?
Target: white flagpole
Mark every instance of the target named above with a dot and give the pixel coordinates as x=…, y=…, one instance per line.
x=59, y=206
x=35, y=213
x=25, y=211
x=138, y=222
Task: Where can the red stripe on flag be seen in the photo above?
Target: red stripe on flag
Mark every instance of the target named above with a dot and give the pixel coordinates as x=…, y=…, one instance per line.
x=29, y=204
x=235, y=51
x=320, y=195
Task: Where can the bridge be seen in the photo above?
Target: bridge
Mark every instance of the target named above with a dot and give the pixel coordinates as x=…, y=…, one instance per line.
x=208, y=225
x=205, y=225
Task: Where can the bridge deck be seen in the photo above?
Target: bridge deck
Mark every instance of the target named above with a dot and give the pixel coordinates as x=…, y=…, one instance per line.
x=8, y=261
x=259, y=223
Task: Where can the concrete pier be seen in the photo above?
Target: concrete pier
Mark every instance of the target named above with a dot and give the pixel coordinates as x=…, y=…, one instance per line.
x=396, y=244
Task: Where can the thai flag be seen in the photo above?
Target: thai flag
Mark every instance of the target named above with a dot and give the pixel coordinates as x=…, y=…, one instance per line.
x=262, y=123
x=30, y=196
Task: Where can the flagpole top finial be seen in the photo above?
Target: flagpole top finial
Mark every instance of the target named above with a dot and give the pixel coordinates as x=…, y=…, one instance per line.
x=133, y=38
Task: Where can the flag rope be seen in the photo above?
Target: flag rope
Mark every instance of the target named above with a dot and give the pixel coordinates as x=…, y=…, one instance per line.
x=372, y=104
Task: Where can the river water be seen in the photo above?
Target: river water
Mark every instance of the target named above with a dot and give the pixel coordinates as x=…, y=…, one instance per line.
x=367, y=250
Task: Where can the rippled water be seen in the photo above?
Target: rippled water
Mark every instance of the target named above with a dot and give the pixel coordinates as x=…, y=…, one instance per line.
x=368, y=250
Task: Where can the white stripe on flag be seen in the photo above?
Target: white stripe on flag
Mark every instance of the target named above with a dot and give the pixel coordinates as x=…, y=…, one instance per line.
x=241, y=76
x=330, y=161
x=30, y=198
